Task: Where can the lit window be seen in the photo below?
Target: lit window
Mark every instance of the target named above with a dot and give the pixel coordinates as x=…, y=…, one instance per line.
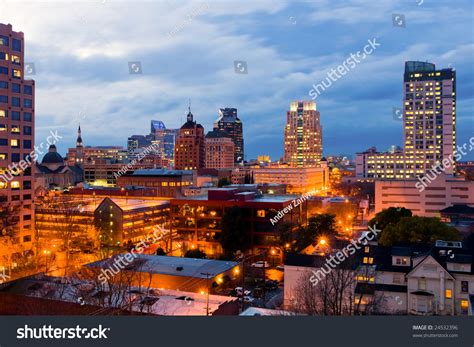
x=16, y=73
x=14, y=143
x=464, y=305
x=448, y=294
x=15, y=185
x=261, y=213
x=366, y=249
x=422, y=284
x=368, y=260
x=3, y=113
x=15, y=59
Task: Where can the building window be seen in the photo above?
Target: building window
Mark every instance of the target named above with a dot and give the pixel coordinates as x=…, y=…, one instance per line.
x=15, y=185
x=465, y=286
x=448, y=293
x=15, y=129
x=261, y=213
x=3, y=85
x=27, y=238
x=3, y=70
x=4, y=41
x=16, y=73
x=15, y=157
x=3, y=114
x=4, y=99
x=464, y=305
x=27, y=103
x=28, y=90
x=16, y=60
x=368, y=260
x=366, y=249
x=16, y=102
x=14, y=143
x=3, y=142
x=16, y=88
x=27, y=144
x=16, y=45
x=422, y=284
x=27, y=117
x=15, y=115
x=27, y=130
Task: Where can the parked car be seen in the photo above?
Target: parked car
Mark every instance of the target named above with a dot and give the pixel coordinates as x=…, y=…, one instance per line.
x=240, y=292
x=280, y=267
x=261, y=264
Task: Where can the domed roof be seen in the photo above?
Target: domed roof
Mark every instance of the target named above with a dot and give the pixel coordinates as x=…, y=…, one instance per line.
x=52, y=157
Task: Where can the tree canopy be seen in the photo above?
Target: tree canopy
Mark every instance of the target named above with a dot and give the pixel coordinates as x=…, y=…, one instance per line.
x=389, y=216
x=234, y=235
x=417, y=230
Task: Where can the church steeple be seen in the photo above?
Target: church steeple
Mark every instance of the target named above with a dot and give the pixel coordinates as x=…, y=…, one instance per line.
x=79, y=137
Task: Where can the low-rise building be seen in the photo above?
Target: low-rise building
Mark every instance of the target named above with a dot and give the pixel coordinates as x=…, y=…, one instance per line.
x=438, y=194
x=168, y=183
x=298, y=179
x=197, y=220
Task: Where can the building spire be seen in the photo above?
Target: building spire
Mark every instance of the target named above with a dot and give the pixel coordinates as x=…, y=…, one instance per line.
x=79, y=137
x=190, y=115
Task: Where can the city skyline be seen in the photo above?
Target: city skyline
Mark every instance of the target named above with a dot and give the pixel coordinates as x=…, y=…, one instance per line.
x=95, y=65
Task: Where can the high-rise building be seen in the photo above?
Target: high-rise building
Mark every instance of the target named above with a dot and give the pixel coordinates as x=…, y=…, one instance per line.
x=429, y=127
x=429, y=116
x=231, y=124
x=219, y=150
x=17, y=154
x=303, y=135
x=189, y=148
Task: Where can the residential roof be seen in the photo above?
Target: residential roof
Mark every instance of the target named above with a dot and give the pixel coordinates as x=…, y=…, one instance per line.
x=458, y=209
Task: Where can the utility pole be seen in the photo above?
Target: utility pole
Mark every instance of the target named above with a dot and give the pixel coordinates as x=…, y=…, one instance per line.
x=207, y=274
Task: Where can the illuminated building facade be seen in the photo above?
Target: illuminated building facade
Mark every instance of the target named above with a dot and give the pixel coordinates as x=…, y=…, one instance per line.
x=429, y=126
x=17, y=116
x=189, y=147
x=196, y=221
x=167, y=183
x=298, y=180
x=219, y=150
x=303, y=135
x=232, y=125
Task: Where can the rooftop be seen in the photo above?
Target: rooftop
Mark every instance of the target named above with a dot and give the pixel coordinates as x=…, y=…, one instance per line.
x=177, y=266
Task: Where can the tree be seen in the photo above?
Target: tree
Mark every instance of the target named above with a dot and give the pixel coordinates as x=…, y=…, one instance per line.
x=322, y=224
x=224, y=181
x=9, y=218
x=391, y=215
x=160, y=251
x=284, y=231
x=417, y=230
x=332, y=295
x=234, y=235
x=195, y=253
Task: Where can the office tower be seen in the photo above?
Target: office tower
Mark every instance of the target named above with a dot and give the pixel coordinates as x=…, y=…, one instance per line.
x=164, y=139
x=189, y=147
x=231, y=124
x=17, y=153
x=220, y=150
x=303, y=135
x=429, y=116
x=429, y=127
